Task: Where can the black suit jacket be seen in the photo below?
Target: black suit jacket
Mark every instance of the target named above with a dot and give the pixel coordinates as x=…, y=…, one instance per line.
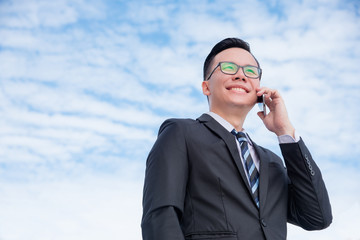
x=196, y=188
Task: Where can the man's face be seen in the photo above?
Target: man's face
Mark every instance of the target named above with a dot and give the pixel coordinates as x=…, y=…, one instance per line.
x=227, y=91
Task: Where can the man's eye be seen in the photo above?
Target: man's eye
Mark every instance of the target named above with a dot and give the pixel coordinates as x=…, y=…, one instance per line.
x=228, y=68
x=250, y=71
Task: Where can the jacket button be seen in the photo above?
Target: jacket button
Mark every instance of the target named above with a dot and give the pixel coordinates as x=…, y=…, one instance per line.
x=263, y=223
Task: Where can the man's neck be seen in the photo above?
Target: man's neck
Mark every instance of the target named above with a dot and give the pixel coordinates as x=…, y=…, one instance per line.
x=235, y=118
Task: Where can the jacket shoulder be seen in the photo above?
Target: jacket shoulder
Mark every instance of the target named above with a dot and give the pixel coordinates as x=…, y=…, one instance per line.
x=177, y=124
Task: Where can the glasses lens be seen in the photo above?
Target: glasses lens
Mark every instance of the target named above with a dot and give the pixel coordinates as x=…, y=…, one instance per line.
x=251, y=71
x=228, y=67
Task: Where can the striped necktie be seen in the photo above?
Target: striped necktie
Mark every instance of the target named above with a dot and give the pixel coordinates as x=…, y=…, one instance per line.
x=253, y=173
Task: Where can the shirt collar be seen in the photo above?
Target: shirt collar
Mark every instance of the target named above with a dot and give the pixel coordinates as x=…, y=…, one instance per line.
x=226, y=124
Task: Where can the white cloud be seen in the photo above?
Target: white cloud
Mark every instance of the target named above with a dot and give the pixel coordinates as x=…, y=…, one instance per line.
x=91, y=208
x=33, y=14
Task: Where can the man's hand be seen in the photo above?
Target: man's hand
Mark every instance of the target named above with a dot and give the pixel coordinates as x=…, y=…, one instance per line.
x=277, y=120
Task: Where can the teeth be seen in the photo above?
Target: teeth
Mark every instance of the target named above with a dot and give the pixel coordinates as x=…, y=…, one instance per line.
x=238, y=89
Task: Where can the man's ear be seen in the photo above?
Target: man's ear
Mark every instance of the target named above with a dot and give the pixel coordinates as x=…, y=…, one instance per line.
x=205, y=88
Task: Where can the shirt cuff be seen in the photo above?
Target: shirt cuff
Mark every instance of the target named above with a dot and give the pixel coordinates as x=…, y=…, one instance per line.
x=288, y=138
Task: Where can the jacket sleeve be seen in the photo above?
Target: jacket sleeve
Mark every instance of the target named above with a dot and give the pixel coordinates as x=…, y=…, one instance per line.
x=165, y=184
x=309, y=206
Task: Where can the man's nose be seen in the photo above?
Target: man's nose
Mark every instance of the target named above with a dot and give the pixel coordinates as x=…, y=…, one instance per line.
x=240, y=75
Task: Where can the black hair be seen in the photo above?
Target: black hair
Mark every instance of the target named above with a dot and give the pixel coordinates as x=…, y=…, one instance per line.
x=221, y=46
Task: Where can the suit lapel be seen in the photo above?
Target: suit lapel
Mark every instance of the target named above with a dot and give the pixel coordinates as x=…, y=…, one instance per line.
x=229, y=140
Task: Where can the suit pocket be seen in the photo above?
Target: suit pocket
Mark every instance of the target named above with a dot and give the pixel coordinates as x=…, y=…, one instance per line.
x=212, y=236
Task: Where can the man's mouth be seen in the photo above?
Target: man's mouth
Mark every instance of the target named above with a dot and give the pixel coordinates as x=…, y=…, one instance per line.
x=238, y=89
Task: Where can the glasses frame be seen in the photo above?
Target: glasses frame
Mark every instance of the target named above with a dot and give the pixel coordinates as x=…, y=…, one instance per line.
x=242, y=67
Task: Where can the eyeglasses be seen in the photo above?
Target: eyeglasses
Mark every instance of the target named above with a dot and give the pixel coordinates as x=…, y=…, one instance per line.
x=232, y=68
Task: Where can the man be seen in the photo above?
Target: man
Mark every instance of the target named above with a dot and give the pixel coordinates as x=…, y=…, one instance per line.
x=206, y=179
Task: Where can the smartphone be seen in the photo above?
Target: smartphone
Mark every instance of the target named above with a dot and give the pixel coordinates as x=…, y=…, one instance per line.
x=261, y=103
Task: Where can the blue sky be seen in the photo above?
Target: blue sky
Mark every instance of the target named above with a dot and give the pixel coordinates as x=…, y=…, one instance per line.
x=85, y=85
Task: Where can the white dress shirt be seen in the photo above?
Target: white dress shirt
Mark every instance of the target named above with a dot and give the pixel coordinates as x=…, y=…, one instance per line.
x=229, y=127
